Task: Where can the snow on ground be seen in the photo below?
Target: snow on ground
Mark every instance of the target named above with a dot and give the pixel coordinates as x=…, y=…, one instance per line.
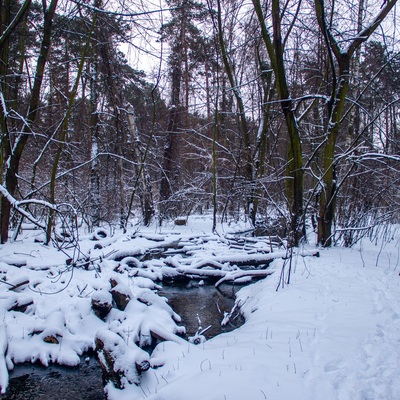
x=332, y=333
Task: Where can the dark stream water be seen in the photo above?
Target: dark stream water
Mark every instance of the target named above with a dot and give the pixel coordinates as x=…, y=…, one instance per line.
x=202, y=306
x=197, y=305
x=34, y=382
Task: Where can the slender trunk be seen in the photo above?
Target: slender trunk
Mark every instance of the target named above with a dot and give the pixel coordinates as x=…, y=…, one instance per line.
x=64, y=131
x=214, y=168
x=328, y=193
x=22, y=60
x=94, y=147
x=208, y=97
x=15, y=156
x=142, y=181
x=295, y=173
x=5, y=143
x=171, y=161
x=120, y=171
x=6, y=22
x=262, y=136
x=245, y=131
x=336, y=106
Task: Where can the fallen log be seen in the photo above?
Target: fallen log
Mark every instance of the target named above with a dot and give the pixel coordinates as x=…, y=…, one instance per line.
x=204, y=273
x=19, y=303
x=17, y=283
x=227, y=267
x=163, y=335
x=120, y=363
x=239, y=260
x=102, y=303
x=121, y=294
x=240, y=274
x=225, y=276
x=224, y=261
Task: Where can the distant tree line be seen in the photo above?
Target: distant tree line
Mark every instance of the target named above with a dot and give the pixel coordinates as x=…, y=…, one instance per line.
x=285, y=114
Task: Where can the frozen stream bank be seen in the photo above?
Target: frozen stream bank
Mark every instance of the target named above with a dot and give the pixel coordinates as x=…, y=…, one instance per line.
x=200, y=307
x=102, y=294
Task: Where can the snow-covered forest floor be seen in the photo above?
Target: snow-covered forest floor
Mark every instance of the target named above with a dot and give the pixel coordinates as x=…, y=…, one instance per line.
x=332, y=333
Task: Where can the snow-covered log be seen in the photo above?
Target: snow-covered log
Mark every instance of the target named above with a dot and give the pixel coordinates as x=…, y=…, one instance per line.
x=225, y=275
x=101, y=303
x=16, y=205
x=17, y=302
x=139, y=251
x=121, y=364
x=130, y=252
x=239, y=275
x=158, y=332
x=18, y=283
x=227, y=267
x=121, y=294
x=14, y=260
x=239, y=259
x=205, y=273
x=224, y=262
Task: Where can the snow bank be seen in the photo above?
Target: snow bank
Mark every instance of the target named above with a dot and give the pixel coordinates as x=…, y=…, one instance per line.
x=333, y=333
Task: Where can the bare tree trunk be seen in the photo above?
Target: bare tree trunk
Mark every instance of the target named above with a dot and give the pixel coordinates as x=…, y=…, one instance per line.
x=64, y=131
x=94, y=190
x=171, y=160
x=245, y=131
x=340, y=88
x=94, y=146
x=142, y=179
x=214, y=166
x=295, y=173
x=328, y=193
x=13, y=157
x=267, y=90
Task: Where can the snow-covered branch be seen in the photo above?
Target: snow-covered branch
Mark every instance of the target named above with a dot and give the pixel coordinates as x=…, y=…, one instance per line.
x=376, y=156
x=120, y=13
x=16, y=205
x=14, y=23
x=369, y=30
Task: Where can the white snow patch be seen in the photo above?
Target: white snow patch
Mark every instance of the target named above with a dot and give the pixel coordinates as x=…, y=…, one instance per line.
x=333, y=333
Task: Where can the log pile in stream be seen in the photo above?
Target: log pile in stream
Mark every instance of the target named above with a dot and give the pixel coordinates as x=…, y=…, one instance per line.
x=119, y=348
x=111, y=298
x=242, y=261
x=227, y=268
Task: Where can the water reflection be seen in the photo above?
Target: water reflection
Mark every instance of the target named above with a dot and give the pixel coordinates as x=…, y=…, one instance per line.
x=202, y=305
x=29, y=382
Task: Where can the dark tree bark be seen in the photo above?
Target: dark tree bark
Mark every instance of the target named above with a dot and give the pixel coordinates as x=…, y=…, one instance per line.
x=171, y=160
x=340, y=60
x=243, y=126
x=295, y=173
x=12, y=157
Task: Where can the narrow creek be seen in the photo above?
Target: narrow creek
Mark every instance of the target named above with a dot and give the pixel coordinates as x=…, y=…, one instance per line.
x=32, y=381
x=198, y=305
x=203, y=306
